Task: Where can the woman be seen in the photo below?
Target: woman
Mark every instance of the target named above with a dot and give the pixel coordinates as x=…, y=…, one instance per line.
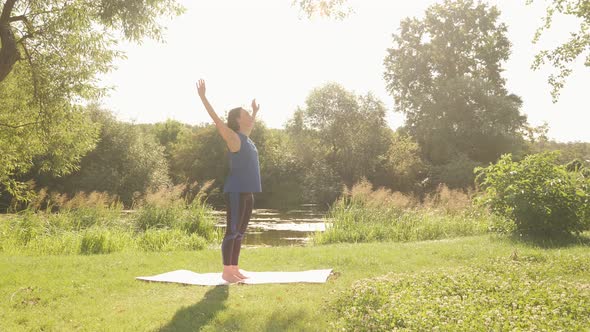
x=242, y=181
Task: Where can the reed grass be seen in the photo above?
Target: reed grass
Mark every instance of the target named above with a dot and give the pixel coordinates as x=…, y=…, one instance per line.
x=175, y=218
x=364, y=214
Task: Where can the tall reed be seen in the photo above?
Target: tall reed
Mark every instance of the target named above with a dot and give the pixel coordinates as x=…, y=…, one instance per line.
x=175, y=218
x=363, y=214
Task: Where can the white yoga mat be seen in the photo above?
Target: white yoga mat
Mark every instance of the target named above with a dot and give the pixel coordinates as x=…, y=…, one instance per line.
x=212, y=279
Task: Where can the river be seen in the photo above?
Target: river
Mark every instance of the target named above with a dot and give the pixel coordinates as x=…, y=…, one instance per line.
x=273, y=227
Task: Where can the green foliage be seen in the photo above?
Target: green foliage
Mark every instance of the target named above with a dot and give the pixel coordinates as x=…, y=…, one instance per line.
x=457, y=173
x=561, y=57
x=402, y=166
x=325, y=8
x=281, y=171
x=321, y=184
x=166, y=133
x=538, y=195
x=567, y=151
x=125, y=161
x=340, y=137
x=499, y=294
x=51, y=141
x=444, y=73
x=351, y=129
x=52, y=54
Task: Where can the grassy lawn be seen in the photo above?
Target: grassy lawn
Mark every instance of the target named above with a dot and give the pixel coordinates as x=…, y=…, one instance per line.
x=99, y=292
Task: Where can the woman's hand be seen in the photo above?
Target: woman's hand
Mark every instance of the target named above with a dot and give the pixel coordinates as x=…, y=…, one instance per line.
x=255, y=107
x=201, y=88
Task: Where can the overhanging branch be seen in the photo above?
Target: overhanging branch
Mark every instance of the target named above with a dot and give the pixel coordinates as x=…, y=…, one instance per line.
x=17, y=18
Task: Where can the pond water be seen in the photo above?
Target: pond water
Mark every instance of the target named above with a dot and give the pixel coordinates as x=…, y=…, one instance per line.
x=272, y=227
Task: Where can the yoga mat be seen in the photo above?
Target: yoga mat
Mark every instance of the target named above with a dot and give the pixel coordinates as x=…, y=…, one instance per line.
x=211, y=279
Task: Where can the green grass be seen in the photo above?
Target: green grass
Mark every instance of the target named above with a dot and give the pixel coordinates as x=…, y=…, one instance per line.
x=99, y=292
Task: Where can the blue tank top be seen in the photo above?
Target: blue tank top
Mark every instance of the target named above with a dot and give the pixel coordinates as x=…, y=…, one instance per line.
x=244, y=169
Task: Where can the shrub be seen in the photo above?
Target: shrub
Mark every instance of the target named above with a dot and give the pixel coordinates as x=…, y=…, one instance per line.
x=538, y=195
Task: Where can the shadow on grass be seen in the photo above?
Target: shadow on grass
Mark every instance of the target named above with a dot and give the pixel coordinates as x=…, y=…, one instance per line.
x=193, y=317
x=556, y=241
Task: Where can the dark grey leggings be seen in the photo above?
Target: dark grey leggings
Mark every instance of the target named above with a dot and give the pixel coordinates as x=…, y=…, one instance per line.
x=239, y=209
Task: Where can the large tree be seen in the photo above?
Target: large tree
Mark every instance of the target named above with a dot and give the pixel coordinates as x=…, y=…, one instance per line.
x=577, y=46
x=444, y=73
x=344, y=131
x=51, y=53
x=126, y=161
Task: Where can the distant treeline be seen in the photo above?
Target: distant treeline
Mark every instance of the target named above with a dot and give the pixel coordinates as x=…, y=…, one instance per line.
x=337, y=140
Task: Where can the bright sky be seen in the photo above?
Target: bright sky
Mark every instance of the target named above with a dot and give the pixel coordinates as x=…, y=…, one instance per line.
x=268, y=50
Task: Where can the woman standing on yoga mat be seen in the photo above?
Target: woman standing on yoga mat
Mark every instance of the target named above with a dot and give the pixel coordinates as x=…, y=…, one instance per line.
x=242, y=181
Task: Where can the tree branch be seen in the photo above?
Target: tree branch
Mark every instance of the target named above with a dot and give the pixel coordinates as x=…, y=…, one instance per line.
x=5, y=16
x=23, y=38
x=17, y=18
x=18, y=126
x=34, y=73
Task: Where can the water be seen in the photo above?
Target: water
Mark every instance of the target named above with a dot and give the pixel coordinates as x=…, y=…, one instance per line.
x=271, y=227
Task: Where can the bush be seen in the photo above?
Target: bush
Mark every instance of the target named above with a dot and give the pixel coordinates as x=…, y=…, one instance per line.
x=538, y=195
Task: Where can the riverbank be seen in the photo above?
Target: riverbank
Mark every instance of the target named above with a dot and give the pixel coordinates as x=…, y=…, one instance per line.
x=99, y=292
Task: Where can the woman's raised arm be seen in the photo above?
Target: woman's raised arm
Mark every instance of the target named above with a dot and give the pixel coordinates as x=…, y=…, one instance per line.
x=229, y=136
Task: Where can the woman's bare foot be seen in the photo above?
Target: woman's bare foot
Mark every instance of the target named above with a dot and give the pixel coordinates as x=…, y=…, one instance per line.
x=231, y=278
x=229, y=275
x=237, y=272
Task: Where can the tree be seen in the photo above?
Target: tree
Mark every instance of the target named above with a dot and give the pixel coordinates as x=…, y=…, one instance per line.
x=578, y=45
x=51, y=54
x=341, y=131
x=125, y=161
x=281, y=170
x=167, y=133
x=403, y=169
x=444, y=73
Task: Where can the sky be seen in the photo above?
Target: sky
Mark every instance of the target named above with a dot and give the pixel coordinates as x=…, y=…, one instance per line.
x=269, y=50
